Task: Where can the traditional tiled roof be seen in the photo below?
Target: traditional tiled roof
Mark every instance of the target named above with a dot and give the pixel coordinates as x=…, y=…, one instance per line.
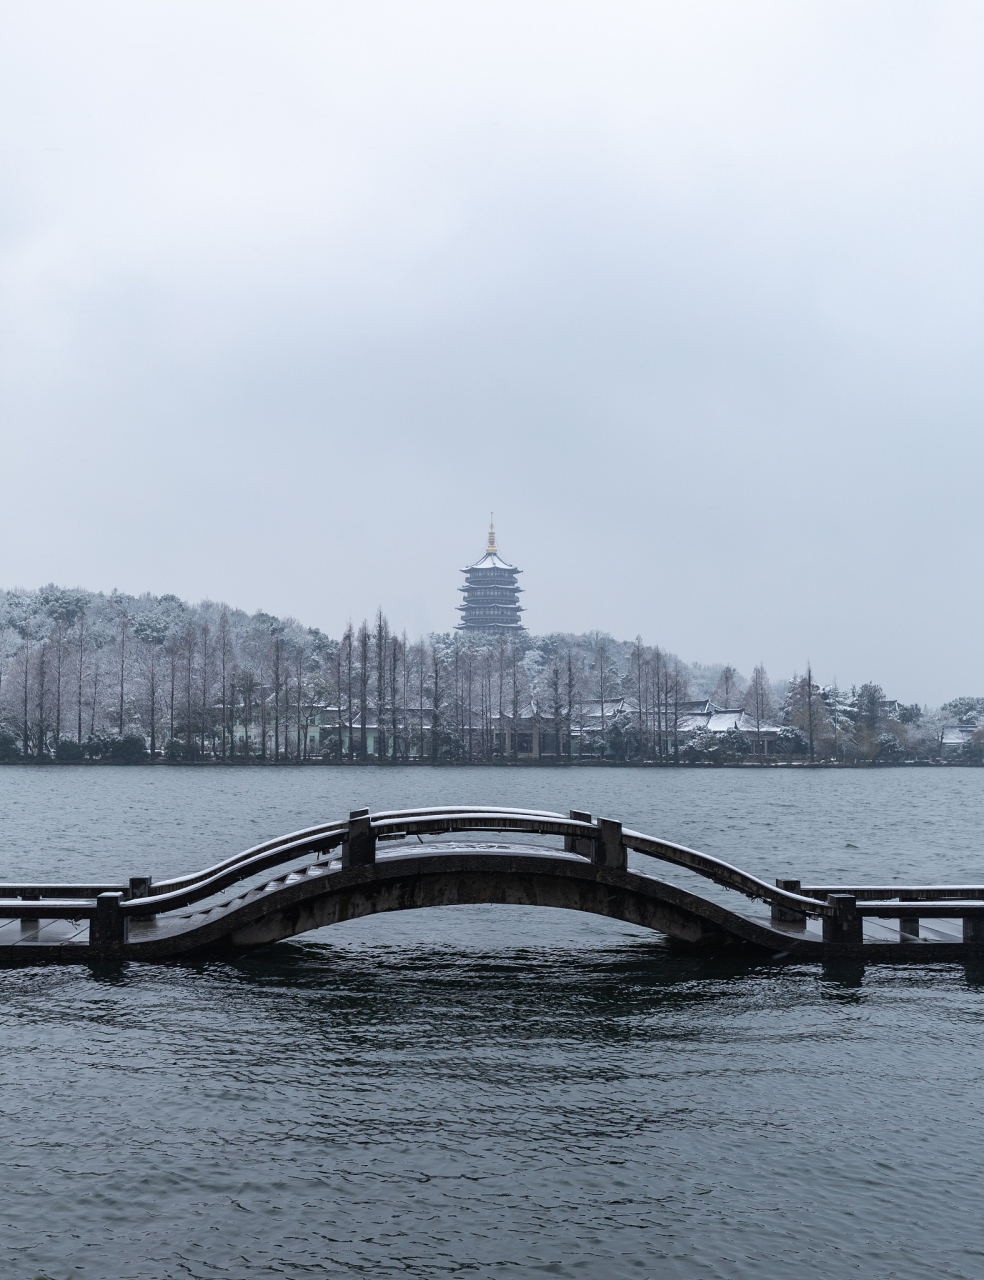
x=491, y=560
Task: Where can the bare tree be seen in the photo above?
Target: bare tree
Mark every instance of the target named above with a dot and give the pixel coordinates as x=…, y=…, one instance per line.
x=514, y=699
x=207, y=676
x=172, y=653
x=437, y=704
x=277, y=670
x=123, y=623
x=726, y=690
x=26, y=672
x=638, y=656
x=96, y=672
x=338, y=685
x=381, y=644
x=81, y=635
x=758, y=703
x=188, y=647
x=151, y=631
x=300, y=656
x=233, y=704
x=58, y=640
x=42, y=697
x=247, y=691
x=362, y=639
x=225, y=661
x=680, y=695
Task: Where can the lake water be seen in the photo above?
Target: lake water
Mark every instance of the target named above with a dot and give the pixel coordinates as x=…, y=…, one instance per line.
x=492, y=1092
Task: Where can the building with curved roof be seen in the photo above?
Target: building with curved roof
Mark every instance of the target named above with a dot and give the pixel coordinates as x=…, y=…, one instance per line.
x=491, y=593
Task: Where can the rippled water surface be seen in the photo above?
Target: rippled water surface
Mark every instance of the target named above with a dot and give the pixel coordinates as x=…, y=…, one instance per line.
x=502, y=1092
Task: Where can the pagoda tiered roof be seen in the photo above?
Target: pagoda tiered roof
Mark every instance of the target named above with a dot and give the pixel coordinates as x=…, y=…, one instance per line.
x=491, y=560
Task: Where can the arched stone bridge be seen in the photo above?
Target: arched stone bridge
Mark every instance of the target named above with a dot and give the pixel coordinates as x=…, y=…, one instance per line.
x=404, y=860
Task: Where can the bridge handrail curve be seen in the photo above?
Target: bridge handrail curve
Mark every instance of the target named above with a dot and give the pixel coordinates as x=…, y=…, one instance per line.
x=723, y=873
x=182, y=891
x=165, y=887
x=185, y=895
x=715, y=869
x=340, y=825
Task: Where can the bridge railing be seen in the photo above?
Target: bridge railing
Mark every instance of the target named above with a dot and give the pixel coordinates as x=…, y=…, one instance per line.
x=724, y=874
x=36, y=891
x=333, y=833
x=182, y=891
x=599, y=840
x=872, y=892
x=578, y=831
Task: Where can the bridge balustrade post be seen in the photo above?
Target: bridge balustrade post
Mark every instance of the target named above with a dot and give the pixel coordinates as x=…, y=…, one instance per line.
x=973, y=928
x=108, y=927
x=30, y=895
x=140, y=888
x=786, y=914
x=609, y=851
x=579, y=844
x=359, y=847
x=845, y=925
x=908, y=925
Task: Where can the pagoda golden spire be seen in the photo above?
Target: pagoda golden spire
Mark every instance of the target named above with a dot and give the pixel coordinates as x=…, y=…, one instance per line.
x=490, y=549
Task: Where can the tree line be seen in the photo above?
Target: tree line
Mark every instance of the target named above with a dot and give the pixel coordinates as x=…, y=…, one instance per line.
x=89, y=676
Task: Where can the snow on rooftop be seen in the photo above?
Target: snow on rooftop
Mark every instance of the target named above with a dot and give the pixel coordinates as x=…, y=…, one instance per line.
x=492, y=560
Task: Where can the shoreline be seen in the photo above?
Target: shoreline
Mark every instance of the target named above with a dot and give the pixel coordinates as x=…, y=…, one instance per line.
x=488, y=764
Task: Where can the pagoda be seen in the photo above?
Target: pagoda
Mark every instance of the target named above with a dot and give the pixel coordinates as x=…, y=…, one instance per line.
x=491, y=594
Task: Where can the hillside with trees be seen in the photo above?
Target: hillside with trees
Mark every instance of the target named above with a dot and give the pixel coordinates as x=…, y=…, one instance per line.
x=87, y=676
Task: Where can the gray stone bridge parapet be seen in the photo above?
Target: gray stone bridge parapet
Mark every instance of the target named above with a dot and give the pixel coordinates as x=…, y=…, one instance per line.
x=368, y=864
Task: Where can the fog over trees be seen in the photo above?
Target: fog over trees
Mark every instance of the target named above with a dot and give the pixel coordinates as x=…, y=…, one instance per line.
x=89, y=676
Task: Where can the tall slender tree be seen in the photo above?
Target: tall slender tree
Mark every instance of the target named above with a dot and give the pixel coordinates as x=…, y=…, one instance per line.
x=123, y=624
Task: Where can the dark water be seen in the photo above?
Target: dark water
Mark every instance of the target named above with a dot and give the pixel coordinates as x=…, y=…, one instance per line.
x=498, y=1092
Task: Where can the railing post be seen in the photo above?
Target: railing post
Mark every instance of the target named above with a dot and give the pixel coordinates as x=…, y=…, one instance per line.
x=845, y=925
x=609, y=851
x=30, y=895
x=578, y=844
x=786, y=914
x=359, y=847
x=908, y=925
x=108, y=927
x=140, y=888
x=973, y=928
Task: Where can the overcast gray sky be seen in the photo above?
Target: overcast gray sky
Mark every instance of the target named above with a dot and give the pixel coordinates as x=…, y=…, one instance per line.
x=293, y=294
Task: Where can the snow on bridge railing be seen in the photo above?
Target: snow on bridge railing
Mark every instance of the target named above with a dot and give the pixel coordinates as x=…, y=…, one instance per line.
x=182, y=891
x=21, y=890
x=437, y=820
x=49, y=908
x=338, y=827
x=577, y=829
x=723, y=873
x=874, y=892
